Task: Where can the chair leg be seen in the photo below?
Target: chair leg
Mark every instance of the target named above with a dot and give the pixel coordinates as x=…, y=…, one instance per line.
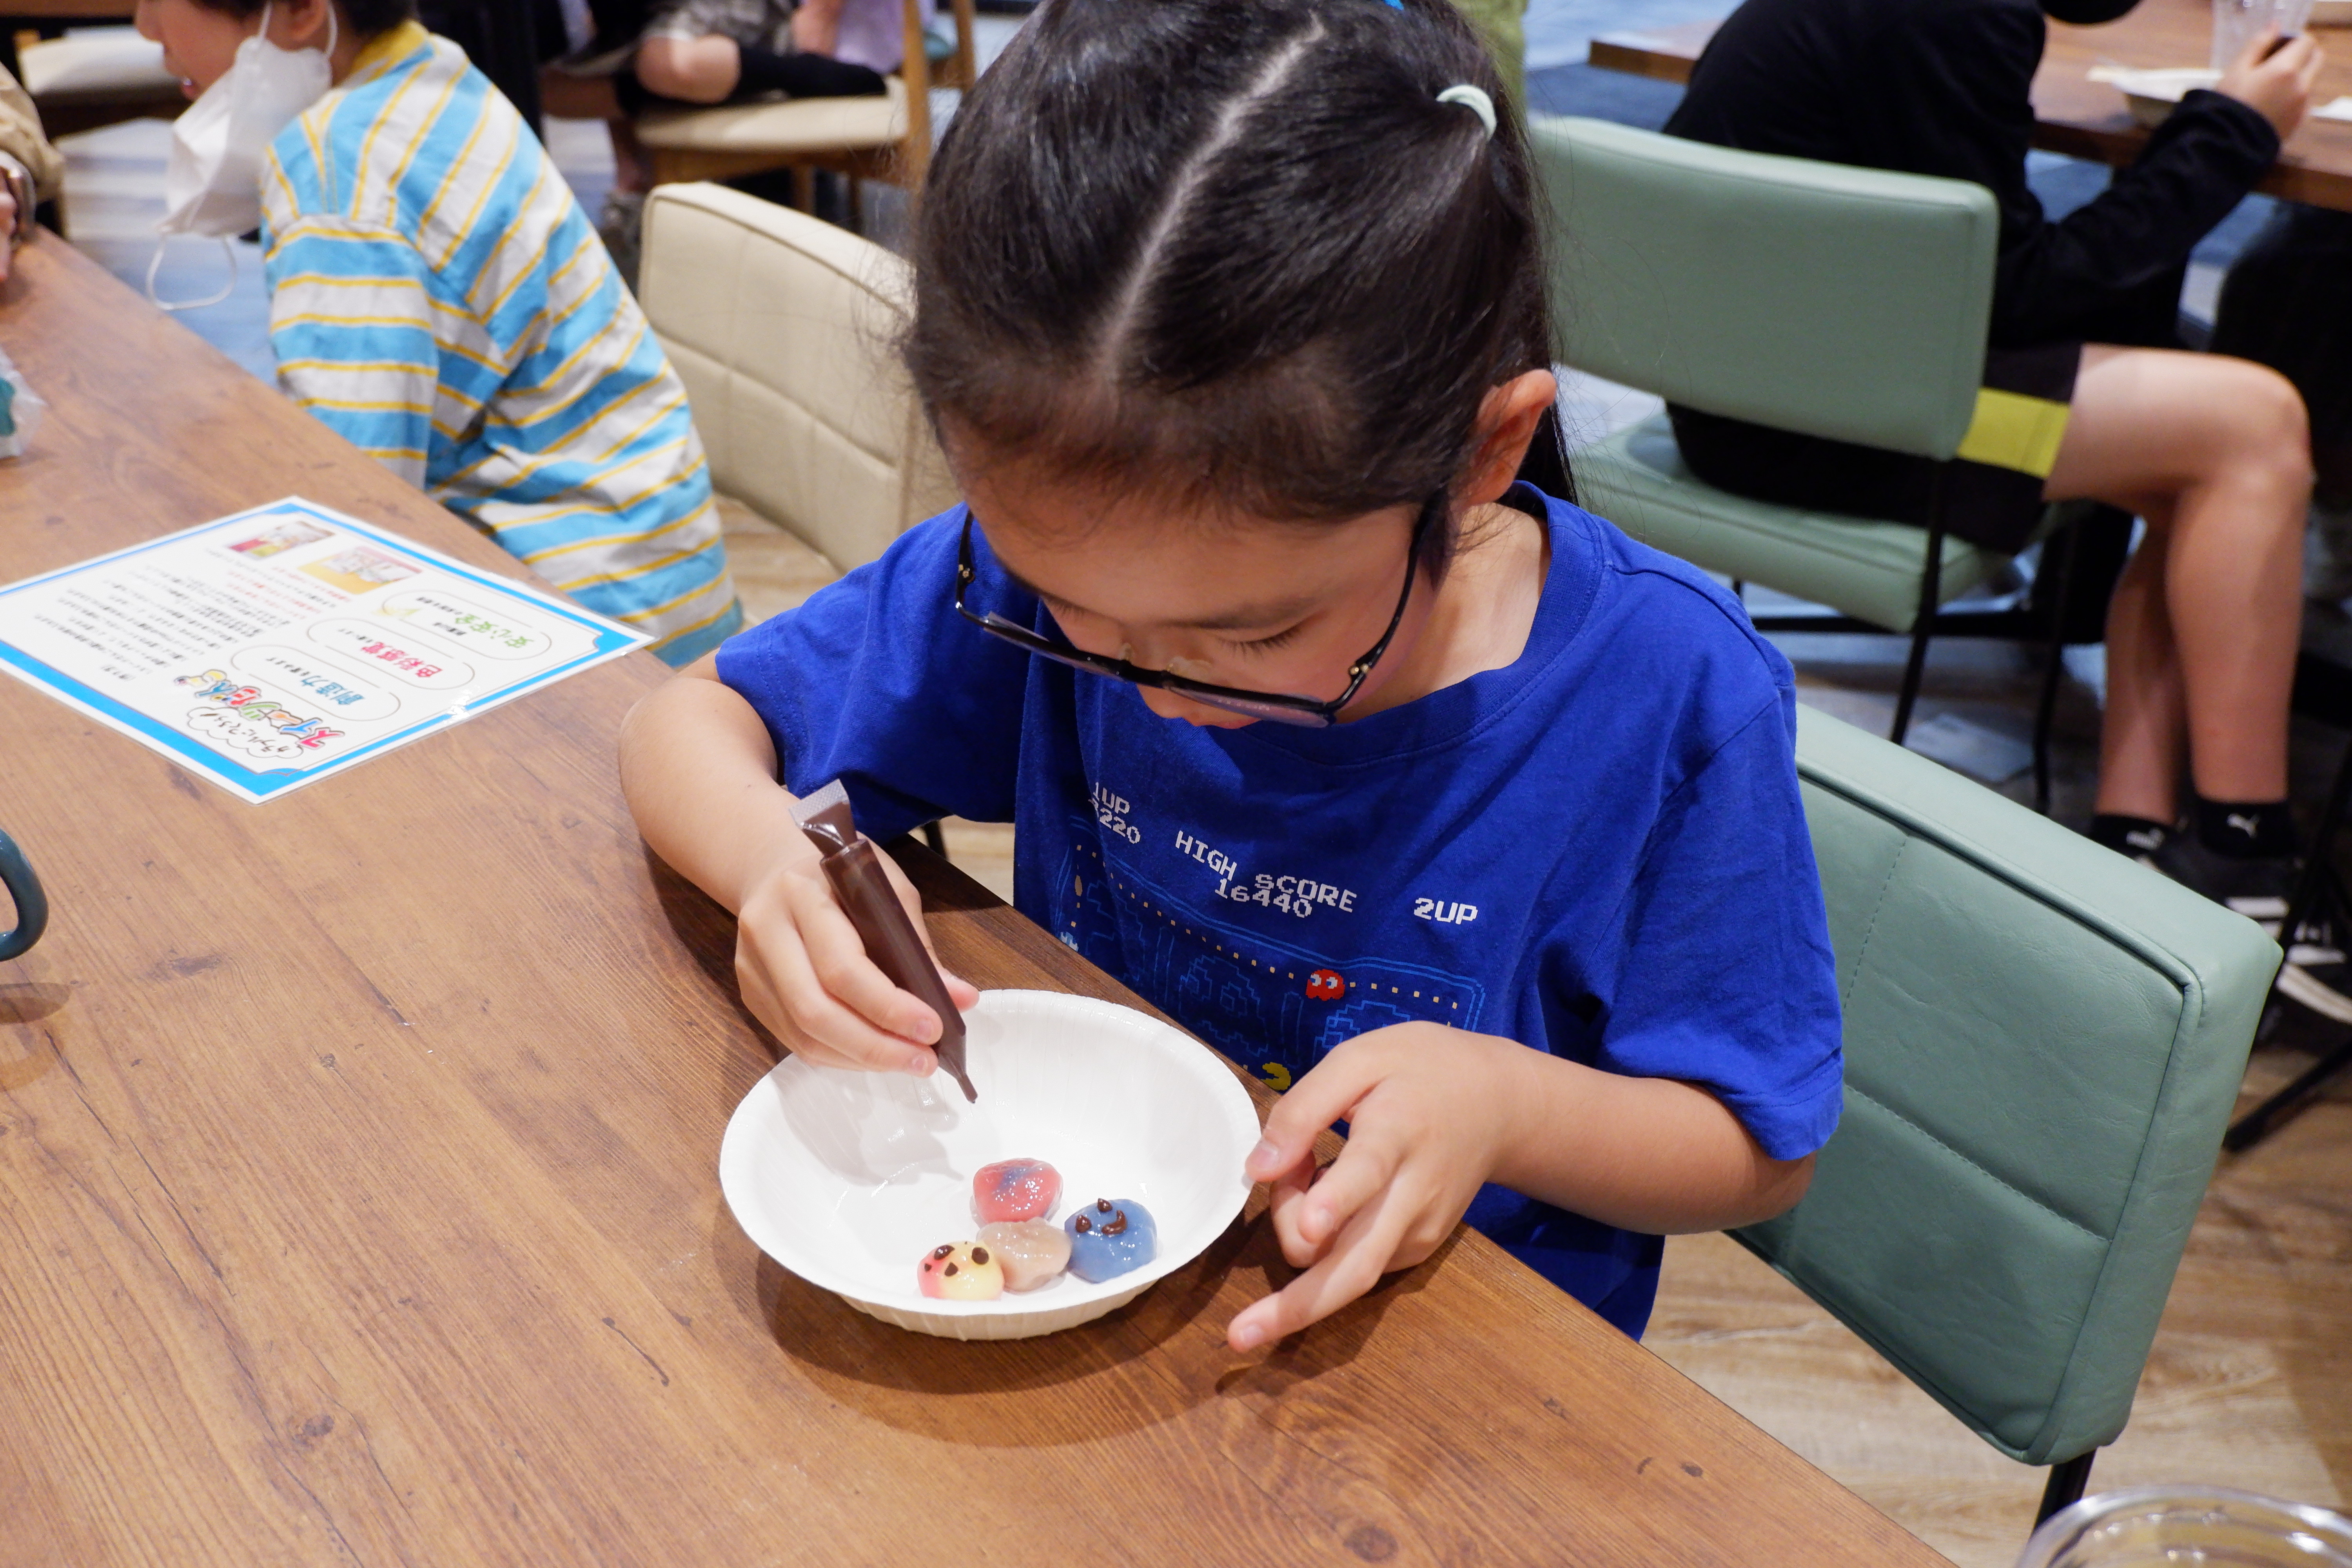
x=2262, y=1120
x=2315, y=889
x=2068, y=1479
x=1923, y=625
x=2047, y=712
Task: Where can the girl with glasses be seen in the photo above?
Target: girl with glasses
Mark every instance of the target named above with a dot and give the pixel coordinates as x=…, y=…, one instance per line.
x=1428, y=798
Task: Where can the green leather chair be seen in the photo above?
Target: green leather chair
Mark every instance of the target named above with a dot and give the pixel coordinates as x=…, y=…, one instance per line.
x=2043, y=1042
x=1836, y=302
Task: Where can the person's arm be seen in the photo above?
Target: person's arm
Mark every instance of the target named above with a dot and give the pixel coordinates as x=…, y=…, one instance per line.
x=816, y=26
x=1717, y=1076
x=1950, y=93
x=700, y=771
x=21, y=139
x=1434, y=1113
x=17, y=204
x=30, y=169
x=875, y=681
x=353, y=320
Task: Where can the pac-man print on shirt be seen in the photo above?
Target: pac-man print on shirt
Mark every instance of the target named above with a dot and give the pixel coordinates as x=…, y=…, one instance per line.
x=1326, y=985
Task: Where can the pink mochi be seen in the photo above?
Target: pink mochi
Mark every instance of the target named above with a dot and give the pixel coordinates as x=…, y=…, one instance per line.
x=1015, y=1189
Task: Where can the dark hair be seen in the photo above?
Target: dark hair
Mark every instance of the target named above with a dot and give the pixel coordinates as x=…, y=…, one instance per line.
x=365, y=17
x=1236, y=248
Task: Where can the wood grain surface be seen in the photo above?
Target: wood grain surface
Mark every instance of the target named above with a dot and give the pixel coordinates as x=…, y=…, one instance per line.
x=358, y=1190
x=18, y=12
x=2085, y=119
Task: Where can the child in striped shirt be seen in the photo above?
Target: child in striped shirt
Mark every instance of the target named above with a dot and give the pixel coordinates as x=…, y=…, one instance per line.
x=438, y=297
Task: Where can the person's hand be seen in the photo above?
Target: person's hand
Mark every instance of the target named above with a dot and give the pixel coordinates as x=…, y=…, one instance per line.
x=2275, y=86
x=1430, y=1112
x=805, y=976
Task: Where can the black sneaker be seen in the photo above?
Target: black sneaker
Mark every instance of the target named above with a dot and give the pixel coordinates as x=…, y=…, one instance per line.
x=2256, y=888
x=2314, y=972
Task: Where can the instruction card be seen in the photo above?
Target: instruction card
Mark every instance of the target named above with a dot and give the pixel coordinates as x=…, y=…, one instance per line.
x=286, y=643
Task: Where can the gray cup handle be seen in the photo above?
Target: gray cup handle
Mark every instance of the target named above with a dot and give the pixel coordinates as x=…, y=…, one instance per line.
x=32, y=904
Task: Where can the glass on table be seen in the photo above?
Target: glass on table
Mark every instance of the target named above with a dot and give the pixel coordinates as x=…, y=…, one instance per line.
x=2237, y=23
x=2178, y=1527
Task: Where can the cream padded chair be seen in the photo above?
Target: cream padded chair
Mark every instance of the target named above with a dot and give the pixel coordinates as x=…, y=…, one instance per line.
x=785, y=330
x=98, y=76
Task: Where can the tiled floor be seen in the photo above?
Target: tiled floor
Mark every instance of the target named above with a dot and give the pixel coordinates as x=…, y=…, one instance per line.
x=2250, y=1384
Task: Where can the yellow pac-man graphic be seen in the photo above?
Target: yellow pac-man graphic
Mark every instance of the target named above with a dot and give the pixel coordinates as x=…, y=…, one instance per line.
x=1276, y=1075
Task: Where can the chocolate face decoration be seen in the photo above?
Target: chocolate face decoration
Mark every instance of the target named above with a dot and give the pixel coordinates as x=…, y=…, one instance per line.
x=961, y=1271
x=1110, y=1238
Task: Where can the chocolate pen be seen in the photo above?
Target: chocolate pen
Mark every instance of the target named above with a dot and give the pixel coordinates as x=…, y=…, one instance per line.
x=854, y=867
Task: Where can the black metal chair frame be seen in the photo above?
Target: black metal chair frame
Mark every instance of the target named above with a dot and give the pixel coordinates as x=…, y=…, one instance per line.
x=1931, y=620
x=2065, y=1486
x=2319, y=893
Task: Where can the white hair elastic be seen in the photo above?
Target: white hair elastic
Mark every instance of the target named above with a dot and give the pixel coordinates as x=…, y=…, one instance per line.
x=1475, y=101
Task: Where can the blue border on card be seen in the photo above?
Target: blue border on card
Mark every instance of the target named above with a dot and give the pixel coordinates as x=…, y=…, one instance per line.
x=275, y=781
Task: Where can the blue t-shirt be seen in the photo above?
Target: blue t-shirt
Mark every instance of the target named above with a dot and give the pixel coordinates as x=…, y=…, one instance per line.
x=1598, y=851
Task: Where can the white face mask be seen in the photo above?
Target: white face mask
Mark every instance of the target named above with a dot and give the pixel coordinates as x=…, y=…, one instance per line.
x=212, y=183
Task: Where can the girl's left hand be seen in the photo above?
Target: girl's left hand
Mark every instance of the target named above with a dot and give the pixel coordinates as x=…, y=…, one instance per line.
x=1431, y=1112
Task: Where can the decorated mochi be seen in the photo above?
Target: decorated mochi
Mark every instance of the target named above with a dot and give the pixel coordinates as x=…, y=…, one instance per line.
x=1015, y=1189
x=1033, y=1252
x=1110, y=1237
x=961, y=1271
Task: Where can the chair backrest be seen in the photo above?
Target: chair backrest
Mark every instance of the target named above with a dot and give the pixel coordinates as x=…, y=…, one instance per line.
x=2043, y=1042
x=98, y=76
x=1820, y=297
x=783, y=329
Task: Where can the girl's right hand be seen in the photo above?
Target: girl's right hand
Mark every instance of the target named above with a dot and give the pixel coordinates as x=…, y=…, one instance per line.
x=805, y=976
x=2275, y=86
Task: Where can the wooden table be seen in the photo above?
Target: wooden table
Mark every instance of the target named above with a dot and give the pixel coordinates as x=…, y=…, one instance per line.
x=357, y=1192
x=2085, y=119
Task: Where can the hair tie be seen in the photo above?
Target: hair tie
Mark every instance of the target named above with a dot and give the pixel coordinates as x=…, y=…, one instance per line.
x=1475, y=101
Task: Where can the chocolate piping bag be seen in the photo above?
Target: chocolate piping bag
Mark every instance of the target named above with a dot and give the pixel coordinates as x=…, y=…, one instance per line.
x=863, y=888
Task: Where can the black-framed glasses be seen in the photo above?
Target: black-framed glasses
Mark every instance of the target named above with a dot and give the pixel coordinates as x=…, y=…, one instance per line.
x=1309, y=711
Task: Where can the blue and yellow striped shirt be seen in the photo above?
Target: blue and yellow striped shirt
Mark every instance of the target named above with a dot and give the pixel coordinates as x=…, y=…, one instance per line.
x=438, y=297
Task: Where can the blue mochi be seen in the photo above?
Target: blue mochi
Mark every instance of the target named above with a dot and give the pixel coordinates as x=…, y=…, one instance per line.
x=1110, y=1237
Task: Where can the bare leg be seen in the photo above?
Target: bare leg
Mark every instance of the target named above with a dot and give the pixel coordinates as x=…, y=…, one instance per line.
x=816, y=26
x=2214, y=453
x=567, y=97
x=2142, y=742
x=694, y=71
x=632, y=167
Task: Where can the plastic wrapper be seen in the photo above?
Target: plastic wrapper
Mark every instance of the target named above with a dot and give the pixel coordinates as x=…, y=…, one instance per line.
x=20, y=410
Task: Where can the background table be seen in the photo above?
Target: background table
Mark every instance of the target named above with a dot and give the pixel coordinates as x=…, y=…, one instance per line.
x=49, y=16
x=357, y=1192
x=2085, y=119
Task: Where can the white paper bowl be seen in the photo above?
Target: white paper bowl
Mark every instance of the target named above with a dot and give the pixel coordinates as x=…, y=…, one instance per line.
x=848, y=1178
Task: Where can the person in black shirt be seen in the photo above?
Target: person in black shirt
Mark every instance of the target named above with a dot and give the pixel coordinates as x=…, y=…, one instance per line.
x=2212, y=453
